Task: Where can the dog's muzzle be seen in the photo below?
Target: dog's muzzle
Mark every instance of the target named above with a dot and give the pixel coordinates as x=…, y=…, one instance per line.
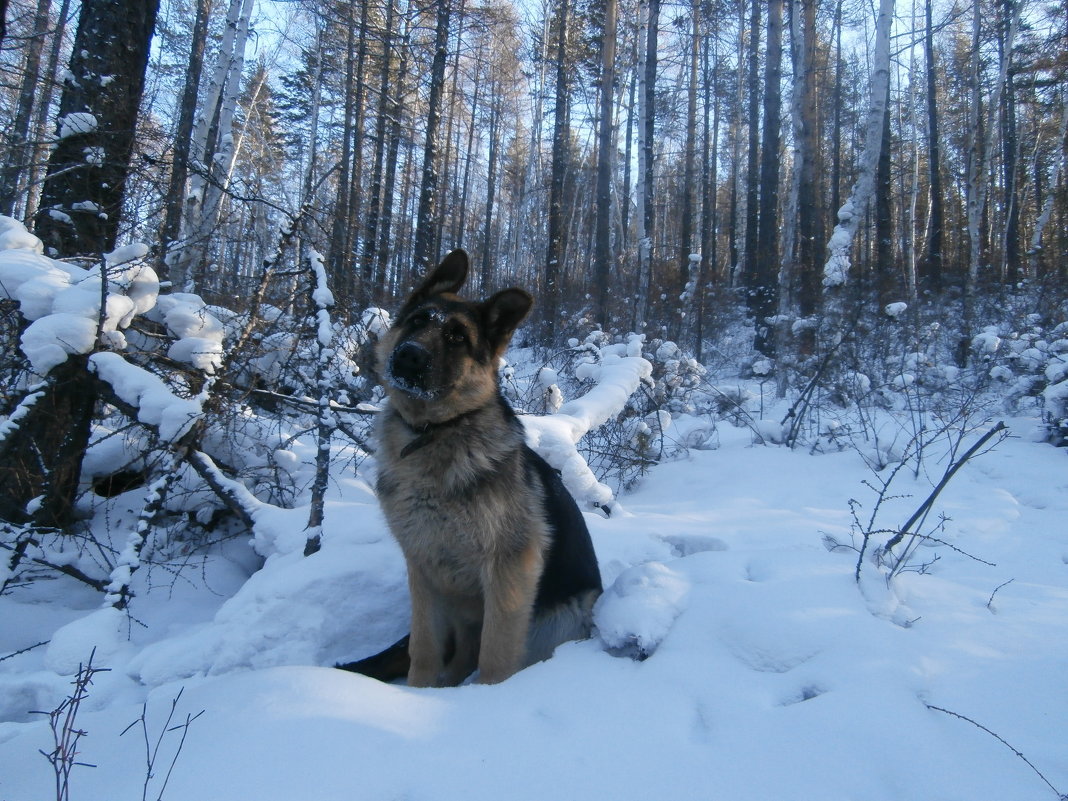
x=409, y=368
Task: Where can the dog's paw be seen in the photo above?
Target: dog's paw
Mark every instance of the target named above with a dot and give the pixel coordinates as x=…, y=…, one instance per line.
x=634, y=615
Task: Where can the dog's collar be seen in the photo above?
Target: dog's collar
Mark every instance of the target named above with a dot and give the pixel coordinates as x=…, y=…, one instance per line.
x=426, y=432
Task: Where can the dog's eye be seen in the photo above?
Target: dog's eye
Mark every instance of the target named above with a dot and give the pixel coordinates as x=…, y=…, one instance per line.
x=455, y=336
x=419, y=320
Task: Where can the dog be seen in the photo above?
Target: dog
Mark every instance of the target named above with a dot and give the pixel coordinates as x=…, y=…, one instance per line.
x=501, y=568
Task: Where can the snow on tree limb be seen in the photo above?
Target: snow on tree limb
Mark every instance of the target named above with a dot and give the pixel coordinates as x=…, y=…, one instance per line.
x=156, y=404
x=554, y=436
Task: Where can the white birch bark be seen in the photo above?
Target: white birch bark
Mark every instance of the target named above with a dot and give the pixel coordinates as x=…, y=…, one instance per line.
x=797, y=156
x=213, y=150
x=1047, y=207
x=849, y=216
x=640, y=189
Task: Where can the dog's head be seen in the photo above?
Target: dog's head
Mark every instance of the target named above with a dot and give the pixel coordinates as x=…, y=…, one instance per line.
x=439, y=359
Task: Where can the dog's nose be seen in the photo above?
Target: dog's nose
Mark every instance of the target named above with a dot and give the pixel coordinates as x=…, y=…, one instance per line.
x=410, y=362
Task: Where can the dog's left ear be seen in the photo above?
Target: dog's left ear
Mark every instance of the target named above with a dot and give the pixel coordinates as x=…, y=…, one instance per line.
x=502, y=314
x=448, y=276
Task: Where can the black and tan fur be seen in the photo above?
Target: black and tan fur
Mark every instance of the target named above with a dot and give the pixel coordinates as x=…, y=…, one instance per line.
x=500, y=564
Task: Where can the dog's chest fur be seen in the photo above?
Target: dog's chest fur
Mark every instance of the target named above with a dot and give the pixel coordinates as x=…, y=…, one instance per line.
x=452, y=503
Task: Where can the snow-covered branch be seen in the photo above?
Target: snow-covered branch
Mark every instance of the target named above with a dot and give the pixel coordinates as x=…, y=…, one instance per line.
x=618, y=372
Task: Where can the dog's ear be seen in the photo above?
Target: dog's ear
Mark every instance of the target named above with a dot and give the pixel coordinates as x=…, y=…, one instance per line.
x=502, y=314
x=448, y=276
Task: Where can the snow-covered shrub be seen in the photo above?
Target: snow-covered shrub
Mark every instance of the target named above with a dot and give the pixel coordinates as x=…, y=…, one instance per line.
x=666, y=412
x=1029, y=369
x=208, y=413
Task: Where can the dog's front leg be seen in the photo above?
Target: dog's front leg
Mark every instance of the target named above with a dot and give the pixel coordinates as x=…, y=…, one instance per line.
x=426, y=648
x=511, y=585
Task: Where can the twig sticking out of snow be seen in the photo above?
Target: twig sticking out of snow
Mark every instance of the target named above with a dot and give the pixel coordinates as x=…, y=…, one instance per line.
x=924, y=508
x=62, y=720
x=1005, y=743
x=152, y=751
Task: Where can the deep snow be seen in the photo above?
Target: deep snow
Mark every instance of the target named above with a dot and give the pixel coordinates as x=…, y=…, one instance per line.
x=773, y=676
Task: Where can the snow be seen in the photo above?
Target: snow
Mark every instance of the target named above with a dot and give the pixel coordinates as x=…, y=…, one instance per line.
x=769, y=673
x=156, y=404
x=77, y=122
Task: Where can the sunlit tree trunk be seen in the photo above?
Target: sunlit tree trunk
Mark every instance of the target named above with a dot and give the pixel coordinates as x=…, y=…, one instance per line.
x=852, y=212
x=932, y=266
x=647, y=54
x=763, y=288
x=428, y=216
x=602, y=253
x=557, y=225
x=174, y=200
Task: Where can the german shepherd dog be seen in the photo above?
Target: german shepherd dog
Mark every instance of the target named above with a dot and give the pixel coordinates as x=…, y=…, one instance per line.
x=500, y=564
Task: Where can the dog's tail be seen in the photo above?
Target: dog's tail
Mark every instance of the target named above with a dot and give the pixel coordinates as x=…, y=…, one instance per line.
x=388, y=665
x=563, y=622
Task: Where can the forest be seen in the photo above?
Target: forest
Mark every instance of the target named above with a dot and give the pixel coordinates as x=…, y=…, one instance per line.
x=838, y=199
x=641, y=166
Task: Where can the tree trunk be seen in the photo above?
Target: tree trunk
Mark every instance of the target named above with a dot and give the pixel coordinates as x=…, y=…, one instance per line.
x=1011, y=256
x=86, y=181
x=887, y=276
x=339, y=256
x=428, y=217
x=763, y=289
x=16, y=171
x=709, y=207
x=43, y=457
x=603, y=256
x=392, y=157
x=747, y=266
x=368, y=257
x=850, y=215
x=212, y=151
x=809, y=228
x=496, y=113
x=560, y=152
x=647, y=49
x=44, y=104
x=688, y=268
x=174, y=200
x=932, y=266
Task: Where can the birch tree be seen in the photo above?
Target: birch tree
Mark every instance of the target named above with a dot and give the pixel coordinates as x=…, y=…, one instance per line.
x=850, y=215
x=212, y=149
x=647, y=56
x=20, y=150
